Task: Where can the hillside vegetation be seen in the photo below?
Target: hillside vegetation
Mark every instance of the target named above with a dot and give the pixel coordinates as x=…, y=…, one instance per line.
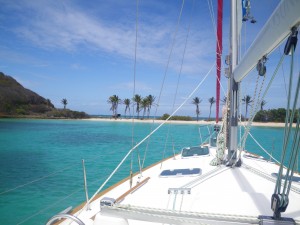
x=17, y=101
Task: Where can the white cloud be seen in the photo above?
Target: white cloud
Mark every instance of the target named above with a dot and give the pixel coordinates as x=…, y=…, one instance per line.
x=70, y=28
x=141, y=87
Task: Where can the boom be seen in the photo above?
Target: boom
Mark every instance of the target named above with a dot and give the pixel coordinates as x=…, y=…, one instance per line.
x=276, y=29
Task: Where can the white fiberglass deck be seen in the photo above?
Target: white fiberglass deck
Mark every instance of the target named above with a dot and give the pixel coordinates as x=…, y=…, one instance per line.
x=242, y=191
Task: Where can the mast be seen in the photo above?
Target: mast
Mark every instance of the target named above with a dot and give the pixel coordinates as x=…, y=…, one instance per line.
x=234, y=87
x=219, y=55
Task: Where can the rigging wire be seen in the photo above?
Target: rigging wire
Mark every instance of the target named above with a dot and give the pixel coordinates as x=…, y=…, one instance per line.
x=212, y=16
x=243, y=140
x=293, y=157
x=280, y=199
x=286, y=131
x=245, y=36
x=219, y=54
x=36, y=180
x=55, y=203
x=253, y=110
x=134, y=85
x=296, y=136
x=47, y=176
x=165, y=75
x=149, y=135
x=283, y=75
x=178, y=78
x=263, y=148
x=169, y=57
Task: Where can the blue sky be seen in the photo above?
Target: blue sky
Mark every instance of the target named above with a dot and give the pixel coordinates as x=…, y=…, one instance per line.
x=84, y=51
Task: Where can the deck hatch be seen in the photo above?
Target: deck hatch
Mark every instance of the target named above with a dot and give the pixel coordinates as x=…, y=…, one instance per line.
x=181, y=172
x=194, y=151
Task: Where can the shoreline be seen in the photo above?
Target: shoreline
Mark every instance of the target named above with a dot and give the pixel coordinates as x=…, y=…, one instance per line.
x=200, y=122
x=193, y=122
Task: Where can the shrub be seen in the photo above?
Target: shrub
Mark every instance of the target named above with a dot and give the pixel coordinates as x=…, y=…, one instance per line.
x=184, y=118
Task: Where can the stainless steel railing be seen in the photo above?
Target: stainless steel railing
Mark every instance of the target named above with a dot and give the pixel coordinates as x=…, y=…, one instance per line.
x=64, y=216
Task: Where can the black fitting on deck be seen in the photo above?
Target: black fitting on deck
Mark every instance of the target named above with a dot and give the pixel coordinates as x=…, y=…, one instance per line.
x=279, y=203
x=267, y=220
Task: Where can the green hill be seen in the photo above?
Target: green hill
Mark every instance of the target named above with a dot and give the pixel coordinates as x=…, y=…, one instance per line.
x=16, y=101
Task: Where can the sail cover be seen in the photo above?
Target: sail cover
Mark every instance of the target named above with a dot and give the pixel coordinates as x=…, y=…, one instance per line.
x=219, y=55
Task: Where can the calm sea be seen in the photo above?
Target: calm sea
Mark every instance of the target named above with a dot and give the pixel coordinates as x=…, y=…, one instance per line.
x=41, y=160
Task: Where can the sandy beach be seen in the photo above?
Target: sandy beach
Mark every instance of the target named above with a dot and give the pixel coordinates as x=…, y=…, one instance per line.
x=200, y=122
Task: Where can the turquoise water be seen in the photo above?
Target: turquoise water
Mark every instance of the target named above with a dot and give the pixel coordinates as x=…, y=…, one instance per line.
x=41, y=160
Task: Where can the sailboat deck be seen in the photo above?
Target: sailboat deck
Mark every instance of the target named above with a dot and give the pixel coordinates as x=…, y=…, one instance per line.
x=244, y=190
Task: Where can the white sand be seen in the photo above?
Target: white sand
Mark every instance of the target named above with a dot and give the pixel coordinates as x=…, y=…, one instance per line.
x=200, y=122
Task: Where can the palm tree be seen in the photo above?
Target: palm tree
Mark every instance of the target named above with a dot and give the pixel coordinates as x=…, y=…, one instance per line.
x=262, y=104
x=247, y=100
x=137, y=99
x=114, y=100
x=196, y=101
x=64, y=101
x=144, y=105
x=211, y=101
x=127, y=102
x=150, y=101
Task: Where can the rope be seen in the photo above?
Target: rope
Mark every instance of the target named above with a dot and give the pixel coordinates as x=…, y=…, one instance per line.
x=146, y=149
x=286, y=130
x=149, y=135
x=253, y=109
x=221, y=137
x=208, y=136
x=181, y=217
x=221, y=145
x=293, y=157
x=212, y=16
x=44, y=177
x=134, y=85
x=247, y=129
x=165, y=75
x=263, y=148
x=219, y=54
x=169, y=57
x=274, y=74
x=295, y=149
x=165, y=146
x=139, y=162
x=282, y=72
x=252, y=112
x=178, y=79
x=36, y=180
x=280, y=207
x=266, y=176
x=53, y=204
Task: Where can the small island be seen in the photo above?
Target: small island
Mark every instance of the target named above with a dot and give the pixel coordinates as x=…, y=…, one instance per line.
x=19, y=102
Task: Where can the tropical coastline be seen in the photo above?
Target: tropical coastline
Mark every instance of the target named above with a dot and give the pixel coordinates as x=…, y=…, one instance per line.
x=27, y=144
x=200, y=122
